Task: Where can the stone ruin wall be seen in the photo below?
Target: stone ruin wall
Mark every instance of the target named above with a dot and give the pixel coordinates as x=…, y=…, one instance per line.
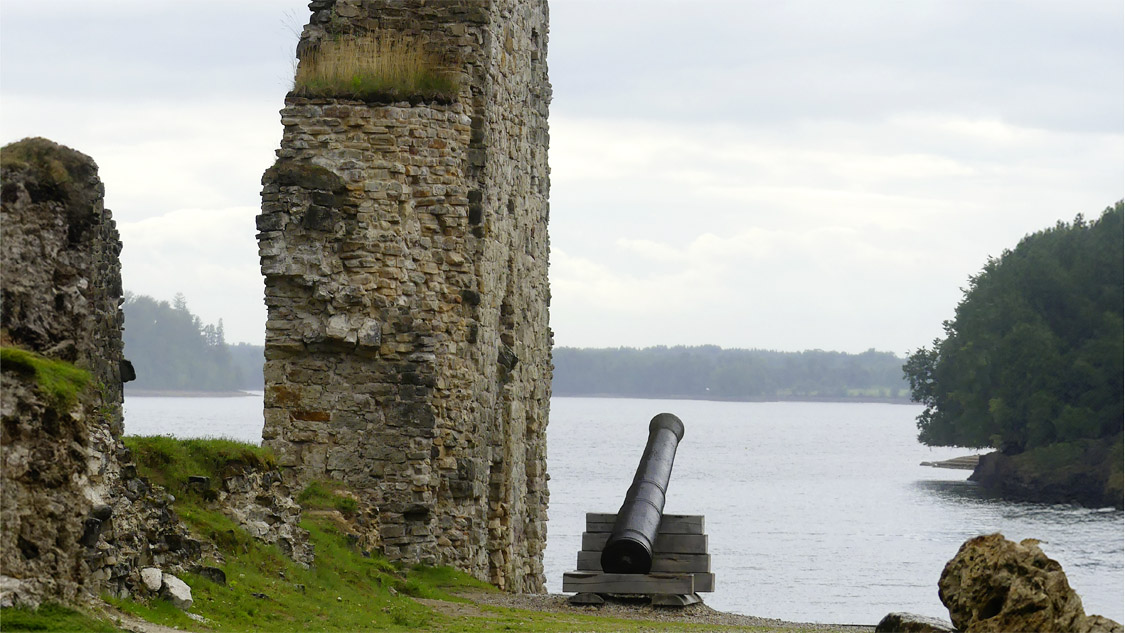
x=61, y=292
x=405, y=253
x=76, y=520
x=61, y=297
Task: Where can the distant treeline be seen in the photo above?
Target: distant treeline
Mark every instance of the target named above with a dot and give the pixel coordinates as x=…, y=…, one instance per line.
x=710, y=372
x=173, y=350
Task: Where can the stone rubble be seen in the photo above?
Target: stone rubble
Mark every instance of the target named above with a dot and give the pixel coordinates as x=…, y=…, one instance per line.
x=263, y=505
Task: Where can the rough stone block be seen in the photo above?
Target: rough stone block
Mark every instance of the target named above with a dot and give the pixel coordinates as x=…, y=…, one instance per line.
x=177, y=591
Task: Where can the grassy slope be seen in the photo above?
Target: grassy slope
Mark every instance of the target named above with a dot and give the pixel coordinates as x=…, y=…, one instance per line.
x=344, y=590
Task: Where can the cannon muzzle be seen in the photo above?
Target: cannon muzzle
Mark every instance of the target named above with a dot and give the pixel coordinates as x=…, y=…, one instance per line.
x=629, y=548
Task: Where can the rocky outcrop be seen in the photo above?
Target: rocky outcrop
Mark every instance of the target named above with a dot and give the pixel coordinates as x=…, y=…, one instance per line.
x=404, y=249
x=137, y=529
x=1087, y=472
x=996, y=585
x=912, y=623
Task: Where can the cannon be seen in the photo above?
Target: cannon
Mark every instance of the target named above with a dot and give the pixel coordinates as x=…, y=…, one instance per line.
x=629, y=548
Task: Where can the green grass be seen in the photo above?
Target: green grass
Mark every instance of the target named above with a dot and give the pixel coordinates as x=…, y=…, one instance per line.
x=344, y=590
x=58, y=381
x=265, y=591
x=52, y=617
x=169, y=462
x=377, y=66
x=441, y=583
x=328, y=495
x=158, y=611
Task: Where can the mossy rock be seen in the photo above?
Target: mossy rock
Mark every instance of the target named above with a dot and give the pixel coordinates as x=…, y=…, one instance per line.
x=58, y=381
x=1086, y=472
x=54, y=169
x=54, y=173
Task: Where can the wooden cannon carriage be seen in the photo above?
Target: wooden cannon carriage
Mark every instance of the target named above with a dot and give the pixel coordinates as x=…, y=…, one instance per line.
x=639, y=550
x=681, y=566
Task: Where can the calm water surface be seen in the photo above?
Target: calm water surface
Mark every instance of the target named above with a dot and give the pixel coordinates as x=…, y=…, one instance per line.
x=815, y=511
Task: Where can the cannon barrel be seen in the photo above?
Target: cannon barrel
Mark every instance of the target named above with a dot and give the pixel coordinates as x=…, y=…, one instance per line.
x=629, y=548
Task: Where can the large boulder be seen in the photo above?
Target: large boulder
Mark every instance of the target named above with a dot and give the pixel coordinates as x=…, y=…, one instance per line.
x=997, y=585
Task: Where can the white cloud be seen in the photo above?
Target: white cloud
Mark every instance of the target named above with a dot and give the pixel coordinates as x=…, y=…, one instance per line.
x=832, y=288
x=861, y=231
x=161, y=156
x=729, y=174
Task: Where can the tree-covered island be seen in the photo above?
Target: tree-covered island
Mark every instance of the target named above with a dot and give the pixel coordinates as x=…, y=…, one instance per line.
x=1031, y=365
x=173, y=351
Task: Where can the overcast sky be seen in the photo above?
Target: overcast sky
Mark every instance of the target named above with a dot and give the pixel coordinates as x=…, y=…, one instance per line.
x=760, y=174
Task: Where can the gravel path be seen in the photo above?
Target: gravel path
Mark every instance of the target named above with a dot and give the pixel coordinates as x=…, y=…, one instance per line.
x=642, y=610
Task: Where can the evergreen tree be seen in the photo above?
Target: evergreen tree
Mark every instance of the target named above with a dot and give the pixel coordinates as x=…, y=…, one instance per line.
x=1034, y=353
x=171, y=348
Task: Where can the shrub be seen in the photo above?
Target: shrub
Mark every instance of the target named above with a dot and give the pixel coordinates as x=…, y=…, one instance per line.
x=375, y=67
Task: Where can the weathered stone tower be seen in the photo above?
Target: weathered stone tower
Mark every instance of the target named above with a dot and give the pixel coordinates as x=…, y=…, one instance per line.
x=404, y=248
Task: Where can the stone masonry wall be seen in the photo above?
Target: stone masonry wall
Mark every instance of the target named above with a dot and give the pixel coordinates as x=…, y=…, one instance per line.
x=405, y=254
x=76, y=520
x=62, y=277
x=61, y=297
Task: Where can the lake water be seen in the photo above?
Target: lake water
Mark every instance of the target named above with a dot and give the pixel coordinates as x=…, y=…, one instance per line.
x=815, y=512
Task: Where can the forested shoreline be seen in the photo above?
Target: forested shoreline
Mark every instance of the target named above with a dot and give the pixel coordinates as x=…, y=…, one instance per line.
x=173, y=351
x=709, y=372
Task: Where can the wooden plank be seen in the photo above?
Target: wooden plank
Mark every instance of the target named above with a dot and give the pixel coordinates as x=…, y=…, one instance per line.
x=675, y=599
x=586, y=598
x=704, y=582
x=661, y=562
x=665, y=543
x=669, y=523
x=597, y=582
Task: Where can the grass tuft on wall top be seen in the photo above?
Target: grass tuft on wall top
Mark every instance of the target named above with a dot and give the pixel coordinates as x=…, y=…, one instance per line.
x=384, y=67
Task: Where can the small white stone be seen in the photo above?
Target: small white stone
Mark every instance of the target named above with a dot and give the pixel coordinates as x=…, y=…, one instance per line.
x=178, y=592
x=152, y=578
